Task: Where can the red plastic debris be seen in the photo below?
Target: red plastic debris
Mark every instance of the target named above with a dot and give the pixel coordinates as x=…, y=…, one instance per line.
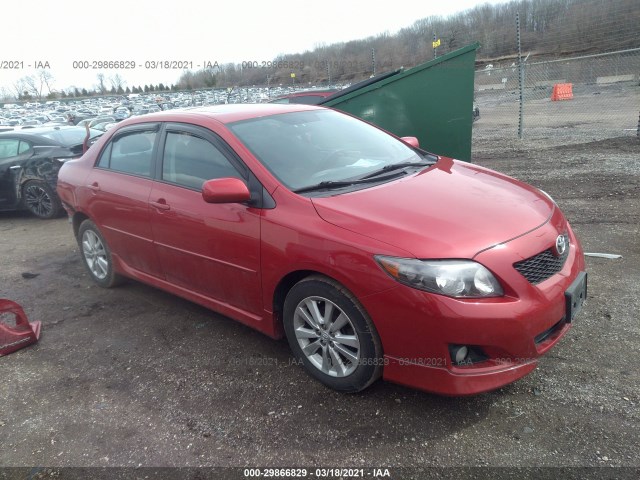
x=16, y=334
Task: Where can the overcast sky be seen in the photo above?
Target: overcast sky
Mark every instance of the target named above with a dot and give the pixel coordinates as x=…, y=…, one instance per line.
x=63, y=31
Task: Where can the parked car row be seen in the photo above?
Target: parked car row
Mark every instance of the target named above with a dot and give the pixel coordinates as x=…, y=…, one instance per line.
x=123, y=106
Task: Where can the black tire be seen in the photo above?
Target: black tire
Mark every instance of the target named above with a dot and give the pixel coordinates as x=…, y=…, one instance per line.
x=41, y=200
x=96, y=255
x=340, y=366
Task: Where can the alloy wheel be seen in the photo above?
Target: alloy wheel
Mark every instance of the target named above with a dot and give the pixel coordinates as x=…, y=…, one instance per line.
x=38, y=200
x=95, y=255
x=327, y=336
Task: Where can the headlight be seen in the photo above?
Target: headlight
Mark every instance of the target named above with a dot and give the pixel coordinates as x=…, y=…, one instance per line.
x=453, y=278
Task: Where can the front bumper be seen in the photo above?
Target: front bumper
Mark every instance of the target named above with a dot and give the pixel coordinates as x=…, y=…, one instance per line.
x=512, y=332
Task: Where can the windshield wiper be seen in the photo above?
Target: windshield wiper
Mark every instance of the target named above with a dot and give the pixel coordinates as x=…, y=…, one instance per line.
x=330, y=184
x=396, y=166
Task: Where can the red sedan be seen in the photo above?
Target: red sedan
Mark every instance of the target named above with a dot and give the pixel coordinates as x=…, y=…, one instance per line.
x=373, y=257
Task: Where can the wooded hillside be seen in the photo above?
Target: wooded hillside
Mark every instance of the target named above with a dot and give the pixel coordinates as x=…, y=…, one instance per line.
x=549, y=29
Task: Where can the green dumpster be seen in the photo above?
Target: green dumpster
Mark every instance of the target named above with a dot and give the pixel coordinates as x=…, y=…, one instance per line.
x=433, y=102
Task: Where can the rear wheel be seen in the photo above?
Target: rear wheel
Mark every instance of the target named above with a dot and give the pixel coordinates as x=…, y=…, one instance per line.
x=331, y=334
x=41, y=200
x=97, y=256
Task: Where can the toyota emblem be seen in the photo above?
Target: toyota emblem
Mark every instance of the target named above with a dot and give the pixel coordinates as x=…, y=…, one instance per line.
x=561, y=245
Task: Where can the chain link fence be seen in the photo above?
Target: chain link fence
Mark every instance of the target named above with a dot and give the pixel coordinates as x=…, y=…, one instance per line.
x=604, y=100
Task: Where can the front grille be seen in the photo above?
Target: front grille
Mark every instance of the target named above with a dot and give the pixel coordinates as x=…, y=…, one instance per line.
x=538, y=268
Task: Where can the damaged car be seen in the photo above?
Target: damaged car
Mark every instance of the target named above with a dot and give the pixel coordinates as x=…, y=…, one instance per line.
x=29, y=163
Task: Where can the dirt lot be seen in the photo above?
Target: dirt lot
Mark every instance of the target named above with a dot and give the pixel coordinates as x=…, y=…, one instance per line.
x=136, y=377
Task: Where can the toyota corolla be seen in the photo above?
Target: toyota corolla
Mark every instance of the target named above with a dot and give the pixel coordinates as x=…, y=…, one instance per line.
x=373, y=257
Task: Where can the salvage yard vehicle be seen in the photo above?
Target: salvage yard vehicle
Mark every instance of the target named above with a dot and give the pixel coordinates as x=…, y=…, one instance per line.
x=307, y=97
x=29, y=164
x=373, y=257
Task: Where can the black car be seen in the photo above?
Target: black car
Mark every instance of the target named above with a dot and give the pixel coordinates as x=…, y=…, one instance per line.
x=29, y=164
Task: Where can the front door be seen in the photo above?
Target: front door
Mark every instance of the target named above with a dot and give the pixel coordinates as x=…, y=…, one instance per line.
x=210, y=249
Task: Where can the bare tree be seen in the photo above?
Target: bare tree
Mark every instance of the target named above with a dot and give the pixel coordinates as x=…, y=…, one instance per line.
x=18, y=88
x=34, y=86
x=5, y=94
x=186, y=80
x=101, y=87
x=46, y=79
x=117, y=82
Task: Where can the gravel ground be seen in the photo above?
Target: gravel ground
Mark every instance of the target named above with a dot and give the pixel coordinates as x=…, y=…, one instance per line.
x=135, y=377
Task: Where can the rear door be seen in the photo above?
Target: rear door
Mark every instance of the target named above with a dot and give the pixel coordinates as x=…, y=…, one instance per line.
x=120, y=185
x=210, y=249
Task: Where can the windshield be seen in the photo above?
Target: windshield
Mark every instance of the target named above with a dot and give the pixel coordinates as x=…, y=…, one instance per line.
x=304, y=148
x=69, y=137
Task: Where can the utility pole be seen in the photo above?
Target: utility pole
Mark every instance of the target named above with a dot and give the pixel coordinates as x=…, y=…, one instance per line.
x=373, y=62
x=520, y=79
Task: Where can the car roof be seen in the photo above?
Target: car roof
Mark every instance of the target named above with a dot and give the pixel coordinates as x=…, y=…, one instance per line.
x=45, y=129
x=228, y=113
x=34, y=135
x=27, y=135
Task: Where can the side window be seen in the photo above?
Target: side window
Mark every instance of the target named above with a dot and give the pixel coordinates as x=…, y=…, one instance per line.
x=24, y=147
x=130, y=153
x=105, y=157
x=189, y=161
x=8, y=147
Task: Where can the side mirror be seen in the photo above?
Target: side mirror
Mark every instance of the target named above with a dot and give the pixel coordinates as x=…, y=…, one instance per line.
x=413, y=141
x=225, y=190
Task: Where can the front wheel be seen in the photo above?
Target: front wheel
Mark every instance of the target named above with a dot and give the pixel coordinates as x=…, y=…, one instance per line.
x=331, y=334
x=96, y=255
x=41, y=200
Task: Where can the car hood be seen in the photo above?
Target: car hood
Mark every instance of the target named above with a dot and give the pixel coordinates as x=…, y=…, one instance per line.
x=450, y=210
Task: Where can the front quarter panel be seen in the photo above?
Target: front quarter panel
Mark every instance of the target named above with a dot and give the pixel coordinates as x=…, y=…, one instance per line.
x=295, y=238
x=43, y=165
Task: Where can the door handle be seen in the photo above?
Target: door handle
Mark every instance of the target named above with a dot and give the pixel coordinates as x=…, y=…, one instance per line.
x=15, y=167
x=161, y=204
x=94, y=186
